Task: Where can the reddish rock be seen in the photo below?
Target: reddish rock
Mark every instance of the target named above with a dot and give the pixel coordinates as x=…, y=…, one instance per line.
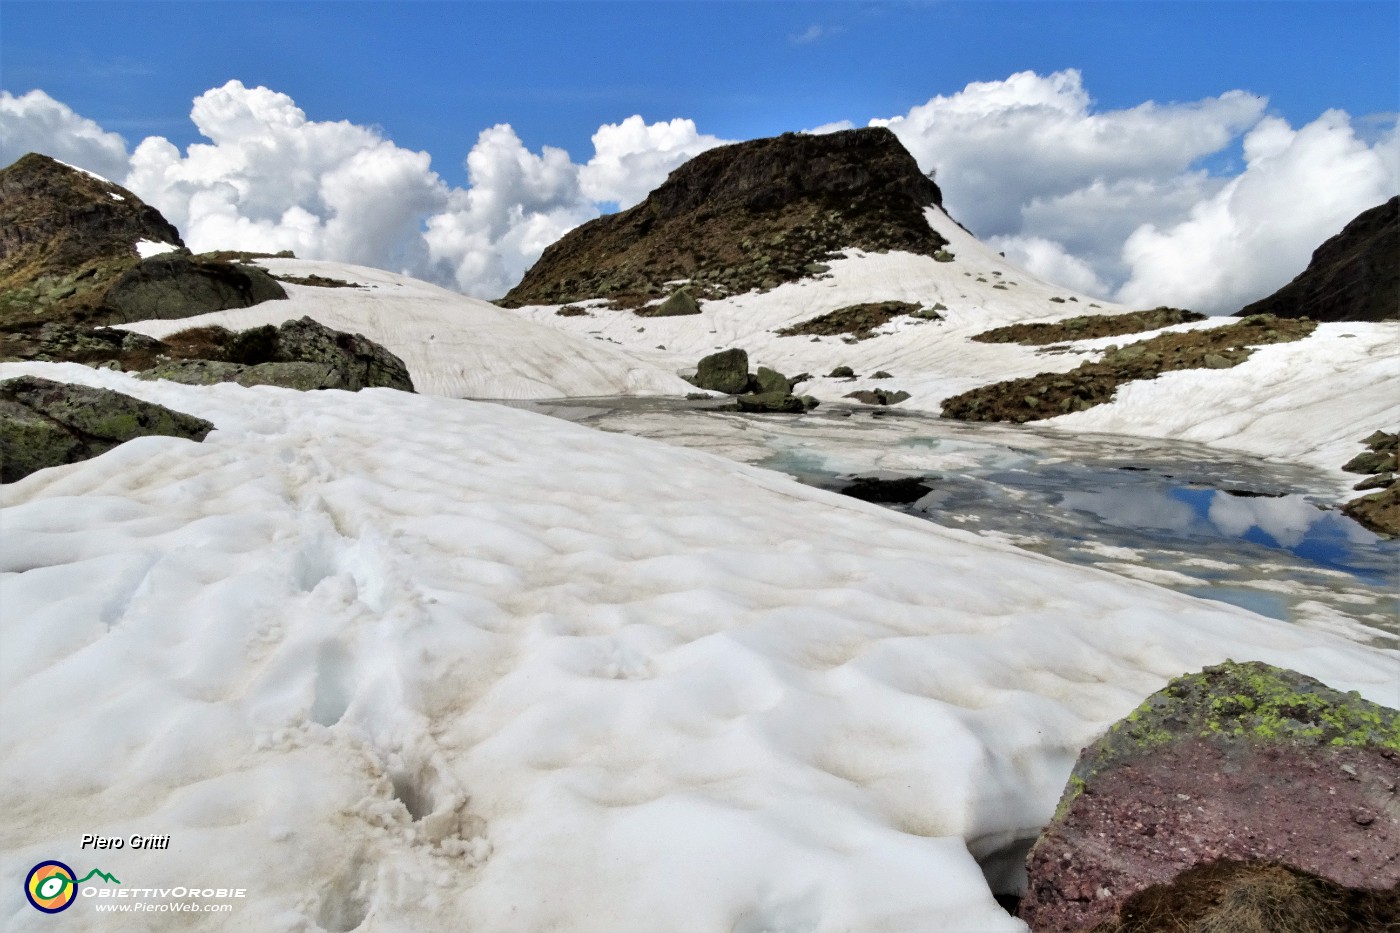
x=1241, y=762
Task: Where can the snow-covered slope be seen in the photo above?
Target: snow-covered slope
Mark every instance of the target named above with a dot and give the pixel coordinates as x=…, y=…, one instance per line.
x=1308, y=402
x=397, y=662
x=453, y=345
x=931, y=360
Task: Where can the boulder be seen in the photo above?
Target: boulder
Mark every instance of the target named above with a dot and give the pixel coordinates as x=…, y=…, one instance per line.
x=45, y=423
x=776, y=402
x=726, y=371
x=878, y=396
x=680, y=303
x=1249, y=763
x=357, y=362
x=770, y=380
x=175, y=285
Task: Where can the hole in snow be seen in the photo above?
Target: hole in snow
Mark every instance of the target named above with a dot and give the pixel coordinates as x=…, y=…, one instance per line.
x=333, y=685
x=414, y=790
x=346, y=903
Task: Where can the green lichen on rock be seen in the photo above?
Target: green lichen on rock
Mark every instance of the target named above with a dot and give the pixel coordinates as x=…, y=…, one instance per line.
x=1235, y=702
x=45, y=423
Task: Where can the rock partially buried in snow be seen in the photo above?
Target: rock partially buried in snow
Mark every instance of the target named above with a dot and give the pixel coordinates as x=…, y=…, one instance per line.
x=726, y=371
x=1246, y=762
x=301, y=354
x=678, y=304
x=45, y=423
x=1379, y=511
x=173, y=285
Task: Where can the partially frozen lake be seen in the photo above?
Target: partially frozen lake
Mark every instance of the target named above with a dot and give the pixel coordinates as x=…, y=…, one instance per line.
x=1197, y=520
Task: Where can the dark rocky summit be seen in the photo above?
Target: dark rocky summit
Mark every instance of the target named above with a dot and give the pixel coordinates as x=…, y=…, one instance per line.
x=1240, y=775
x=1354, y=276
x=1379, y=511
x=44, y=424
x=68, y=257
x=750, y=215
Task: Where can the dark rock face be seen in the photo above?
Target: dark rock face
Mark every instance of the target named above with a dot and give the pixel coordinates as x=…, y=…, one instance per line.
x=1046, y=395
x=301, y=354
x=726, y=371
x=44, y=424
x=1246, y=762
x=174, y=285
x=750, y=215
x=1355, y=276
x=1379, y=511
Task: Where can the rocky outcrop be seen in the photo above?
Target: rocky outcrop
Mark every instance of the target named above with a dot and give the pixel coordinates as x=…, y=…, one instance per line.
x=1354, y=276
x=302, y=354
x=1243, y=762
x=679, y=303
x=44, y=424
x=1046, y=395
x=1379, y=511
x=174, y=285
x=1088, y=327
x=858, y=321
x=746, y=216
x=764, y=391
x=68, y=256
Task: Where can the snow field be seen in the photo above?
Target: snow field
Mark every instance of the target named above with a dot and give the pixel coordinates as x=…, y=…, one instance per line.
x=396, y=662
x=453, y=345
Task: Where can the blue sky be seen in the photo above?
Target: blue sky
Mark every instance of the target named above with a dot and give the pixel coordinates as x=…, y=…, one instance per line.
x=434, y=74
x=1188, y=153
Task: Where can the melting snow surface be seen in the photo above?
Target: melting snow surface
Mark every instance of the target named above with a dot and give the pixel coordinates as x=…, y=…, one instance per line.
x=453, y=345
x=396, y=662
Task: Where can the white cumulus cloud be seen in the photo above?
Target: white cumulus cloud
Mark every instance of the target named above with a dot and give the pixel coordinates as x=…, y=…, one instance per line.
x=1113, y=202
x=1116, y=202
x=35, y=122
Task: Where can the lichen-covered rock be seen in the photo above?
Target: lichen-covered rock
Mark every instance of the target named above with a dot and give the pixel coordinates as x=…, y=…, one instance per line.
x=45, y=423
x=302, y=354
x=726, y=371
x=770, y=380
x=1245, y=762
x=174, y=285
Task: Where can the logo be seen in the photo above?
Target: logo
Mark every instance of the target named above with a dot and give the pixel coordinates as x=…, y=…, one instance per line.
x=52, y=886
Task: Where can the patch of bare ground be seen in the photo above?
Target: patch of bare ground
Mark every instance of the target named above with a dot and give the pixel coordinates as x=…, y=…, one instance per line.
x=859, y=320
x=1088, y=327
x=1046, y=395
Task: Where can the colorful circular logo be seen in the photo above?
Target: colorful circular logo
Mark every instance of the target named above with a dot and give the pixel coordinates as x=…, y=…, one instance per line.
x=51, y=886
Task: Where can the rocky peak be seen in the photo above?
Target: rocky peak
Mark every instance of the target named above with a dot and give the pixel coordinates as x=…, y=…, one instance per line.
x=56, y=220
x=749, y=215
x=1354, y=276
x=68, y=256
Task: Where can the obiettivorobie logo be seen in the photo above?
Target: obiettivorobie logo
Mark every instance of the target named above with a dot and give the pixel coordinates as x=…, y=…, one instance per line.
x=52, y=886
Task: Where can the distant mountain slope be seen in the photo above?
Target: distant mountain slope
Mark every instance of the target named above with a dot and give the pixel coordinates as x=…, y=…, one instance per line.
x=1354, y=276
x=752, y=215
